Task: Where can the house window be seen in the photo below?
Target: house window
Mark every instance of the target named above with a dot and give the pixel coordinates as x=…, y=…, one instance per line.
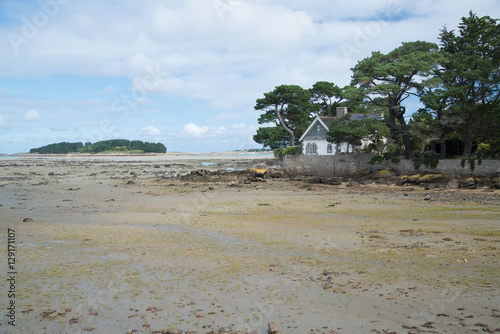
x=314, y=149
x=308, y=149
x=329, y=148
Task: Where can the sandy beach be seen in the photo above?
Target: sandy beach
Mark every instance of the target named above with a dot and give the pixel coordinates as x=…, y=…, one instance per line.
x=133, y=245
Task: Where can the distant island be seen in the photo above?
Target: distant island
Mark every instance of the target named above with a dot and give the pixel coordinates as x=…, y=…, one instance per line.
x=112, y=145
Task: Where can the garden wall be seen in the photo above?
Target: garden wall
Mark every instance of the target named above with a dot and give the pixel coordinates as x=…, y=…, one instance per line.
x=346, y=165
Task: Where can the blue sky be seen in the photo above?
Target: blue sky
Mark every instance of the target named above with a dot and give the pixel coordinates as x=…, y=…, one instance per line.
x=185, y=72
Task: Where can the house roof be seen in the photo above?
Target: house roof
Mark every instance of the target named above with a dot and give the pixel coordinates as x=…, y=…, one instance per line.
x=325, y=121
x=360, y=117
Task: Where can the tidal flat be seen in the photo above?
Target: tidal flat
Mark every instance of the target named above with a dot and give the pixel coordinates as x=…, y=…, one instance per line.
x=128, y=245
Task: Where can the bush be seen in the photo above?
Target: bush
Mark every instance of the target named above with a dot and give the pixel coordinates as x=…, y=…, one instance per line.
x=430, y=159
x=376, y=159
x=279, y=153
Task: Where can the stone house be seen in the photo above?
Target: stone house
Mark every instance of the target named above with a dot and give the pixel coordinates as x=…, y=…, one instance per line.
x=314, y=138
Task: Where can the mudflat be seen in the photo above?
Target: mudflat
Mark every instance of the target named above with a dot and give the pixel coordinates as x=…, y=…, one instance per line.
x=129, y=245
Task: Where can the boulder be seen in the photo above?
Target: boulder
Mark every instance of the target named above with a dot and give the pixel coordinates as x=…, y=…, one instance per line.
x=469, y=183
x=383, y=174
x=454, y=184
x=261, y=170
x=276, y=171
x=299, y=170
x=414, y=178
x=431, y=178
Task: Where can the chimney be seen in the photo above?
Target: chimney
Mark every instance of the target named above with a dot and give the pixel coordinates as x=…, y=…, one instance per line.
x=341, y=112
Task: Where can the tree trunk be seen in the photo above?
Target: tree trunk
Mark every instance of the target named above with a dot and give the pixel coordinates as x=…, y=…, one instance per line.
x=467, y=148
x=283, y=125
x=406, y=136
x=442, y=134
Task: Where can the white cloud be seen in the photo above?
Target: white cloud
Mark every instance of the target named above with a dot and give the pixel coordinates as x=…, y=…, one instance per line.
x=195, y=130
x=32, y=115
x=213, y=62
x=151, y=131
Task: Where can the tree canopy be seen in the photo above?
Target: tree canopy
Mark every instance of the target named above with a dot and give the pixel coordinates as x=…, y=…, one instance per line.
x=288, y=107
x=389, y=79
x=457, y=82
x=116, y=145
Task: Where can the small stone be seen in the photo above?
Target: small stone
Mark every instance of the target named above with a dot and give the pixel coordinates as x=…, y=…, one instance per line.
x=27, y=220
x=272, y=328
x=173, y=331
x=73, y=320
x=93, y=312
x=327, y=286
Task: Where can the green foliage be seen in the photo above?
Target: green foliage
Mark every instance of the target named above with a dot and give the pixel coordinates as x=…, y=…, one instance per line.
x=389, y=79
x=58, y=148
x=272, y=137
x=423, y=128
x=327, y=96
x=290, y=150
x=429, y=159
x=376, y=159
x=354, y=132
x=289, y=107
x=472, y=163
x=116, y=145
x=471, y=78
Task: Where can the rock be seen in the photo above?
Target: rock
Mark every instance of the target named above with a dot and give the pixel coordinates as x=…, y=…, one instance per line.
x=73, y=320
x=470, y=183
x=398, y=181
x=454, y=184
x=299, y=170
x=327, y=286
x=432, y=178
x=259, y=172
x=27, y=220
x=93, y=312
x=427, y=197
x=173, y=331
x=130, y=182
x=276, y=172
x=383, y=174
x=272, y=328
x=51, y=174
x=414, y=178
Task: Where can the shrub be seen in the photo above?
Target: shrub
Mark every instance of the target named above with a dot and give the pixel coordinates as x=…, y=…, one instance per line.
x=430, y=159
x=376, y=159
x=279, y=153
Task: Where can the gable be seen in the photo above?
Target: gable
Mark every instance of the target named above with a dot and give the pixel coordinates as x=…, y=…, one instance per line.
x=315, y=131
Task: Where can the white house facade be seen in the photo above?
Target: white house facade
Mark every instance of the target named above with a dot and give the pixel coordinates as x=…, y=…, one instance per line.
x=314, y=138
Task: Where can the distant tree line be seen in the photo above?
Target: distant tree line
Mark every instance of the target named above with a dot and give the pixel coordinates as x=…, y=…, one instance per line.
x=114, y=145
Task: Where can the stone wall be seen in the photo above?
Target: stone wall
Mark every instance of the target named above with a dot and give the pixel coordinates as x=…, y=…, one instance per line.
x=346, y=165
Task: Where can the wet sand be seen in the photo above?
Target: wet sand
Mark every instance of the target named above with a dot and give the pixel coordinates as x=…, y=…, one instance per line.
x=124, y=245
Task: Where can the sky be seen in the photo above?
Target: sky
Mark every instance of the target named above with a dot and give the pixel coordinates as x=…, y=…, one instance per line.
x=186, y=73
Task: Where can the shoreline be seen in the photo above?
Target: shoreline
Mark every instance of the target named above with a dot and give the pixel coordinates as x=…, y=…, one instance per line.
x=149, y=251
